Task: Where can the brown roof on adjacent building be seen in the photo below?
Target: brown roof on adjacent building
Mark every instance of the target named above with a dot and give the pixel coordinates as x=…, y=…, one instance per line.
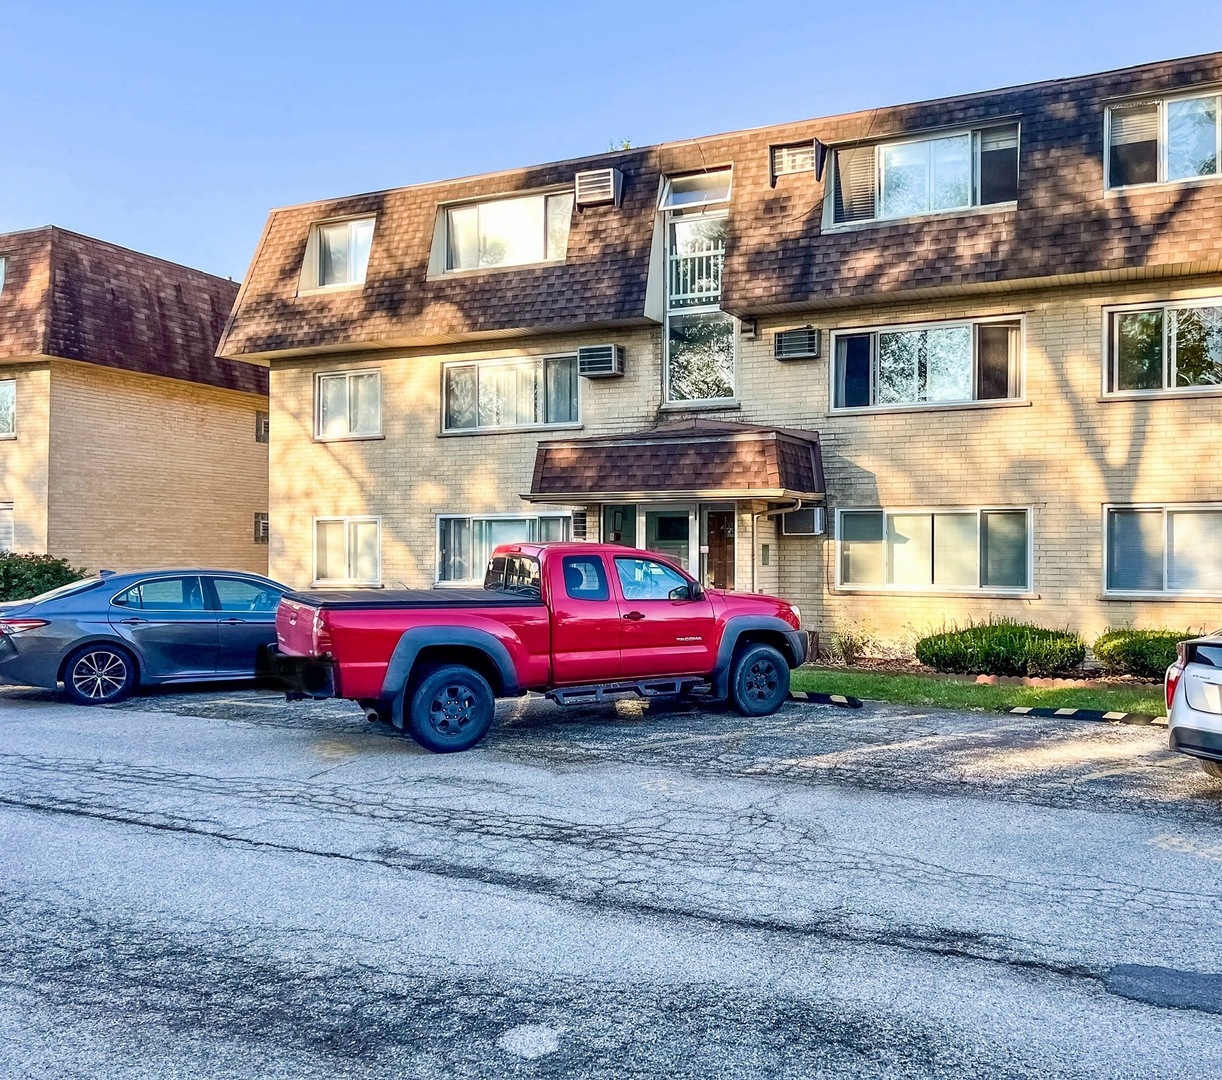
x=1065, y=227
x=689, y=458
x=71, y=296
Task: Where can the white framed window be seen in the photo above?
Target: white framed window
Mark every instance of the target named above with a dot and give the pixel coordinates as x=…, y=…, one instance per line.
x=348, y=405
x=931, y=175
x=3, y=268
x=493, y=395
x=700, y=337
x=935, y=550
x=337, y=254
x=1163, y=550
x=1174, y=345
x=465, y=543
x=928, y=364
x=8, y=408
x=348, y=551
x=1164, y=141
x=7, y=526
x=510, y=231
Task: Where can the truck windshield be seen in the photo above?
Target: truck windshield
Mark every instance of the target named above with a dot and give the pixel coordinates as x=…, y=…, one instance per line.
x=513, y=574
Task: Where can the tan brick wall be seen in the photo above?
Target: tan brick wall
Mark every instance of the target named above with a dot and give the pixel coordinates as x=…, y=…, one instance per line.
x=23, y=460
x=148, y=472
x=1063, y=452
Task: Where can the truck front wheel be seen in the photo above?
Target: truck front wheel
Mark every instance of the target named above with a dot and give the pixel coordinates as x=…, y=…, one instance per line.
x=451, y=709
x=759, y=681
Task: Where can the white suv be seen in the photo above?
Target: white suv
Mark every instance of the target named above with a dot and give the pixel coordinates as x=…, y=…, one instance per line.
x=1194, y=701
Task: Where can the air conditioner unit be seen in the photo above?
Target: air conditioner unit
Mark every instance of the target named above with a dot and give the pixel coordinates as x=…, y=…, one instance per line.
x=797, y=344
x=599, y=187
x=809, y=521
x=581, y=529
x=600, y=361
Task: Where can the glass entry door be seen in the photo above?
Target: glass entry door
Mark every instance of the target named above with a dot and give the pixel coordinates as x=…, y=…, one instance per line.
x=669, y=532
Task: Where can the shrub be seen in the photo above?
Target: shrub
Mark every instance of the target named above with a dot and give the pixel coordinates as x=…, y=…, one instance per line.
x=1002, y=647
x=1144, y=653
x=23, y=576
x=850, y=642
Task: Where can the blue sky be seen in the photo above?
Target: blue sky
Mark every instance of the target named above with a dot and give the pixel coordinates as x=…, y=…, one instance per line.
x=172, y=127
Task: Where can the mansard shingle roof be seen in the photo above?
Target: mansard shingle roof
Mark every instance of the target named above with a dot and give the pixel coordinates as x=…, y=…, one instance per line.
x=780, y=257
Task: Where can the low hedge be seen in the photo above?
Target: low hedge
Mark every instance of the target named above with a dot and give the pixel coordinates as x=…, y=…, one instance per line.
x=1002, y=647
x=1144, y=653
x=23, y=576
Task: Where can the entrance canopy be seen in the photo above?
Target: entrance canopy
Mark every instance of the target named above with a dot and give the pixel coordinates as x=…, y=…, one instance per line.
x=686, y=459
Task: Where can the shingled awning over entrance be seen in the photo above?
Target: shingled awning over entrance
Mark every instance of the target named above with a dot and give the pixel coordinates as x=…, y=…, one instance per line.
x=690, y=459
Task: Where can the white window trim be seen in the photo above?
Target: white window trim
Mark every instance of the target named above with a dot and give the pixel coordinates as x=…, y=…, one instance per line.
x=1161, y=594
x=830, y=224
x=898, y=406
x=318, y=582
x=504, y=428
x=307, y=282
x=467, y=583
x=722, y=203
x=1162, y=103
x=439, y=253
x=11, y=434
x=318, y=378
x=1109, y=371
x=1027, y=591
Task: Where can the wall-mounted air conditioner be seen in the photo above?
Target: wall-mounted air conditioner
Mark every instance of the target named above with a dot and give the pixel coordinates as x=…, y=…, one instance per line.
x=600, y=361
x=599, y=187
x=809, y=521
x=800, y=344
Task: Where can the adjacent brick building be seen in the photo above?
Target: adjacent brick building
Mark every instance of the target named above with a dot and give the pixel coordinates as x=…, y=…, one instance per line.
x=124, y=441
x=992, y=324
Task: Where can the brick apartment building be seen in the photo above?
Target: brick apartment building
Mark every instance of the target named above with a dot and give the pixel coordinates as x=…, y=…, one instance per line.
x=124, y=441
x=933, y=362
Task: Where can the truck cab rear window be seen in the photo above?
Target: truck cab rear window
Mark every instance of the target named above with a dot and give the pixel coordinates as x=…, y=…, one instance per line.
x=513, y=574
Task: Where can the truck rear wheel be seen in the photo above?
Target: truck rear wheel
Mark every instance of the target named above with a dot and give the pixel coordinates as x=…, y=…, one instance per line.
x=451, y=709
x=759, y=681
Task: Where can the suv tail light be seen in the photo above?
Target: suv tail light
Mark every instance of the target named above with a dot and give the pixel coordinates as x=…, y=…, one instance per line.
x=320, y=637
x=1174, y=672
x=20, y=626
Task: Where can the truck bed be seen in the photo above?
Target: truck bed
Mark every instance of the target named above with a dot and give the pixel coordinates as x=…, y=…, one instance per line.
x=372, y=599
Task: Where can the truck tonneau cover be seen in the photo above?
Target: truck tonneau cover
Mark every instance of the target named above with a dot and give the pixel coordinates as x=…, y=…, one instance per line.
x=354, y=599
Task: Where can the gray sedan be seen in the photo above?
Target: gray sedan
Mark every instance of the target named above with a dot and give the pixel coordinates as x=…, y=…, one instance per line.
x=104, y=636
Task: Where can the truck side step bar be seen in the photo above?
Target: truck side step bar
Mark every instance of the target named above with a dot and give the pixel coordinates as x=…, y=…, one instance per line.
x=645, y=688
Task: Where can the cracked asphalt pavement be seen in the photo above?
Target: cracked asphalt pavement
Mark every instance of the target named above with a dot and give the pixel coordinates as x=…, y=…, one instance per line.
x=221, y=884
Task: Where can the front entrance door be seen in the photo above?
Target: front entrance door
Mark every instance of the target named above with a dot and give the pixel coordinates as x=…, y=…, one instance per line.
x=717, y=547
x=668, y=532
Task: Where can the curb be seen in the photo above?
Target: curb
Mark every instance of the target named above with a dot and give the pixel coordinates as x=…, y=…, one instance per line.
x=811, y=698
x=1088, y=714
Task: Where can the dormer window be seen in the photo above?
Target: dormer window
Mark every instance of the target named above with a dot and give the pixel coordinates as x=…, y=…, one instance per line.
x=1154, y=142
x=337, y=254
x=508, y=232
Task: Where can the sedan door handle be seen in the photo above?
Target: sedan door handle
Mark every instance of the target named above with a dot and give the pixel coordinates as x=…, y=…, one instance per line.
x=634, y=616
x=232, y=622
x=133, y=621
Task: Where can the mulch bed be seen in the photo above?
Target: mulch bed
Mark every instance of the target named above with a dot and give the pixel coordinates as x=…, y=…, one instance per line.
x=1093, y=681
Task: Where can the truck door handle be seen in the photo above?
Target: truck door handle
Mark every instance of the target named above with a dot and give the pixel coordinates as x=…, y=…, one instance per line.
x=634, y=616
x=133, y=621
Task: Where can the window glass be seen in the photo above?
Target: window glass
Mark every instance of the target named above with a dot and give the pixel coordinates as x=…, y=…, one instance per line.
x=585, y=578
x=234, y=594
x=466, y=544
x=861, y=547
x=1198, y=346
x=645, y=579
x=700, y=357
x=518, y=394
x=343, y=251
x=1003, y=549
x=365, y=404
x=999, y=164
x=329, y=558
x=8, y=406
x=1194, y=544
x=7, y=524
x=513, y=574
x=346, y=549
x=925, y=365
x=855, y=182
x=909, y=549
x=996, y=349
x=1135, y=550
x=3, y=268
x=333, y=405
x=167, y=594
x=905, y=179
x=1192, y=138
x=363, y=550
x=619, y=524
x=697, y=189
x=508, y=232
x=951, y=167
x=697, y=255
x=1133, y=154
x=349, y=404
x=956, y=561
x=1139, y=350
x=853, y=371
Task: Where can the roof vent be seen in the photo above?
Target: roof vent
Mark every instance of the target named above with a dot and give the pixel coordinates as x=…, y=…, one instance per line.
x=600, y=187
x=600, y=361
x=799, y=344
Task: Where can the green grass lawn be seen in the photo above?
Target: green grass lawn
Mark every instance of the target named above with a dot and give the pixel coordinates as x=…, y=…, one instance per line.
x=948, y=694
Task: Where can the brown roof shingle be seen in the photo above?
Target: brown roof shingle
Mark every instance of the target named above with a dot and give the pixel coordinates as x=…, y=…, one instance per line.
x=74, y=297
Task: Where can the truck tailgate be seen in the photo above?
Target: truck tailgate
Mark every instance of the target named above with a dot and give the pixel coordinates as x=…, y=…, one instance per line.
x=295, y=627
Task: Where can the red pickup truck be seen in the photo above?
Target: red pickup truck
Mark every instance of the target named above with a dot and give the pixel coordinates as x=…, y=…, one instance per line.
x=580, y=622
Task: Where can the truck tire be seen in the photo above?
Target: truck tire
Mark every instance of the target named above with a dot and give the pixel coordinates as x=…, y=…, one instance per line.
x=451, y=709
x=759, y=681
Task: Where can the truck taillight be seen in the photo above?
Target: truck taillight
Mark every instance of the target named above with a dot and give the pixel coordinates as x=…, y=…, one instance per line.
x=320, y=644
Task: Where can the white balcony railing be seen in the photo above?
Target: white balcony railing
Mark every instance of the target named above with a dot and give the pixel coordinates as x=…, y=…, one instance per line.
x=695, y=275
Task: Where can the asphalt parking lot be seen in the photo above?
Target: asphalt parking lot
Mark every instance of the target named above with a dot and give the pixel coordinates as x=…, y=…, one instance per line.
x=221, y=884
